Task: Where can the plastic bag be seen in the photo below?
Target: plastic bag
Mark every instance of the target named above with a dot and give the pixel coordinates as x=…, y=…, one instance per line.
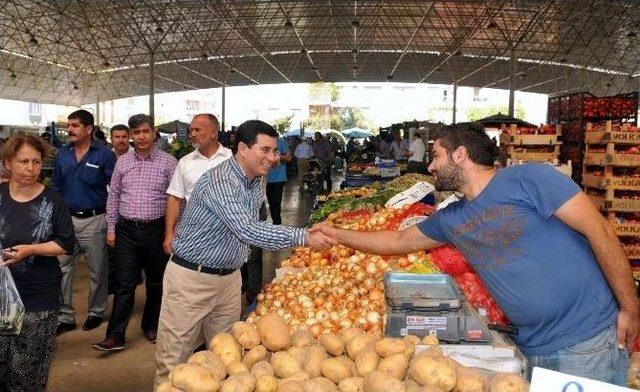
x=11, y=306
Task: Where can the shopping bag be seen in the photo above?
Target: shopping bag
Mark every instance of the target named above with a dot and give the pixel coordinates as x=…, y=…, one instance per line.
x=11, y=306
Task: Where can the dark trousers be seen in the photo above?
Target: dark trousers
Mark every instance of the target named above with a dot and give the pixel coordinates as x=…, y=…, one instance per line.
x=274, y=196
x=327, y=175
x=252, y=269
x=138, y=246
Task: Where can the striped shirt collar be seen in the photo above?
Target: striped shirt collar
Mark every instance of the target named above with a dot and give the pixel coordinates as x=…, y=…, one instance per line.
x=237, y=169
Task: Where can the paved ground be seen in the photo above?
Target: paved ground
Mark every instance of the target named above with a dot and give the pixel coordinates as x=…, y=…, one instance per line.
x=78, y=368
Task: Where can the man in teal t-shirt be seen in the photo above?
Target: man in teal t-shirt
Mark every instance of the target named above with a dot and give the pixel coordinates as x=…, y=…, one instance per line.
x=276, y=179
x=550, y=259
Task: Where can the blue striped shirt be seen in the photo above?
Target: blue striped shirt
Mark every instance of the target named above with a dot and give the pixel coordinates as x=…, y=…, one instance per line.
x=221, y=220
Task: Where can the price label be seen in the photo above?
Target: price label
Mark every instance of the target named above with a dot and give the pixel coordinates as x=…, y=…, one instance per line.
x=411, y=195
x=544, y=380
x=447, y=201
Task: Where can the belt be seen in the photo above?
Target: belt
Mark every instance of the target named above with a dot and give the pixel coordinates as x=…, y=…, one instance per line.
x=201, y=268
x=142, y=223
x=88, y=213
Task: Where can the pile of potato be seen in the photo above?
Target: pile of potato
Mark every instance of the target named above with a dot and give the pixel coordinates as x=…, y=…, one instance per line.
x=268, y=358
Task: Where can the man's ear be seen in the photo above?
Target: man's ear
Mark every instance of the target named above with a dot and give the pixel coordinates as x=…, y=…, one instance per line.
x=459, y=155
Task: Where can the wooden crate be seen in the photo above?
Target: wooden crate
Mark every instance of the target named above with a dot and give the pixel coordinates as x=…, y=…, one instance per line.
x=632, y=251
x=534, y=156
x=603, y=158
x=611, y=182
x=626, y=229
x=620, y=205
x=533, y=140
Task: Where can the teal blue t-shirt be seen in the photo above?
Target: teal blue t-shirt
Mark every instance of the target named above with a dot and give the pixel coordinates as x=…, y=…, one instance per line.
x=541, y=272
x=279, y=173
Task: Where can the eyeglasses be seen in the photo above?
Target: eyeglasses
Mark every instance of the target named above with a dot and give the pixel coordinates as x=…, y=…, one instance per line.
x=273, y=151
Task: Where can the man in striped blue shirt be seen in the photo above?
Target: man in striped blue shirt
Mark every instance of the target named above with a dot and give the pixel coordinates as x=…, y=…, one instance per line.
x=202, y=280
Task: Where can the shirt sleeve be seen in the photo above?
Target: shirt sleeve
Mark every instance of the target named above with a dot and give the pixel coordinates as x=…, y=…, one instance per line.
x=113, y=199
x=109, y=165
x=545, y=188
x=176, y=186
x=63, y=232
x=432, y=227
x=224, y=200
x=55, y=177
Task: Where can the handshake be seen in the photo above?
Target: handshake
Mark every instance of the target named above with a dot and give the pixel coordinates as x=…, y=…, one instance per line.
x=322, y=236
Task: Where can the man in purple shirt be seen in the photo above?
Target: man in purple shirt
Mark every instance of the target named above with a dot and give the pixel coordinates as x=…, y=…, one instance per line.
x=135, y=226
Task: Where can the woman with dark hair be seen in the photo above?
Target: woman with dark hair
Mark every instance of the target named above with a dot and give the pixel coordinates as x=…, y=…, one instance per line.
x=36, y=227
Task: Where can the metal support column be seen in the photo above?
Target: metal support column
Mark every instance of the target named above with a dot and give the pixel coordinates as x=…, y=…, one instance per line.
x=512, y=81
x=455, y=101
x=152, y=72
x=223, y=105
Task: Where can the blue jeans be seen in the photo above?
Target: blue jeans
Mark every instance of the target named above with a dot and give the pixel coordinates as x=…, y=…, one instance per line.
x=597, y=358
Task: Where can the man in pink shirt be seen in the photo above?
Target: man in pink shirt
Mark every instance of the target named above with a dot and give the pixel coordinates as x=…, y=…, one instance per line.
x=135, y=226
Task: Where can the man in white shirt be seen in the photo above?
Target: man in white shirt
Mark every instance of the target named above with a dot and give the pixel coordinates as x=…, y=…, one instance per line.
x=208, y=154
x=303, y=153
x=416, y=155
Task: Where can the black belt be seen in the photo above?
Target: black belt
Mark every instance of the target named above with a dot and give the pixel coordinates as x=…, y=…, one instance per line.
x=88, y=213
x=141, y=223
x=201, y=268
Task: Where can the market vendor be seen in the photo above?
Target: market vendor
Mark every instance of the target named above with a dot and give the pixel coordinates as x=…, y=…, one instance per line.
x=202, y=281
x=546, y=254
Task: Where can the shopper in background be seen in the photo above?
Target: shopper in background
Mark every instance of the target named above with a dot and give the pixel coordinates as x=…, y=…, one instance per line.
x=208, y=154
x=120, y=139
x=99, y=136
x=395, y=148
x=303, y=152
x=135, y=226
x=276, y=180
x=416, y=155
x=322, y=151
x=202, y=281
x=81, y=175
x=550, y=259
x=36, y=228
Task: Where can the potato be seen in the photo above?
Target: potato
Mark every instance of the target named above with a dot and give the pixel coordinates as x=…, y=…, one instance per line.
x=291, y=386
x=167, y=387
x=433, y=352
x=412, y=386
x=346, y=334
x=266, y=383
x=505, y=382
x=367, y=361
x=274, y=332
x=320, y=384
x=261, y=368
x=284, y=364
x=315, y=355
x=211, y=362
x=395, y=366
x=236, y=367
x=239, y=382
x=256, y=354
x=381, y=382
x=430, y=340
x=390, y=346
x=224, y=345
x=300, y=376
x=246, y=334
x=302, y=338
x=413, y=339
x=411, y=342
x=299, y=353
x=335, y=369
x=332, y=343
x=469, y=380
x=193, y=378
x=351, y=384
x=428, y=370
x=358, y=343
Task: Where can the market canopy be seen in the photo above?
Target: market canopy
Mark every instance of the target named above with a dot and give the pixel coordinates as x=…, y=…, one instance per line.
x=81, y=51
x=173, y=126
x=357, y=133
x=498, y=119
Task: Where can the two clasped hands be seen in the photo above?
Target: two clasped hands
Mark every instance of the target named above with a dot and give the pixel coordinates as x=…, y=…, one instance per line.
x=322, y=236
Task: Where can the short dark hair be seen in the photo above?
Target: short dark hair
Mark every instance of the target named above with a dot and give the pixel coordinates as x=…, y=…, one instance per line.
x=85, y=117
x=248, y=132
x=118, y=127
x=472, y=136
x=99, y=135
x=212, y=118
x=138, y=119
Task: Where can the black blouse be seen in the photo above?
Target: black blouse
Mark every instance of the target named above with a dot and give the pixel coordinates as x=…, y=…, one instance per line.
x=43, y=219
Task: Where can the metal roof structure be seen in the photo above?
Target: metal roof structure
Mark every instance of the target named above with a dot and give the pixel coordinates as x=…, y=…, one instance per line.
x=80, y=51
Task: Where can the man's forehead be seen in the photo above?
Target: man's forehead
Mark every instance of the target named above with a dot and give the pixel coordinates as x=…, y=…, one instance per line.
x=266, y=140
x=141, y=127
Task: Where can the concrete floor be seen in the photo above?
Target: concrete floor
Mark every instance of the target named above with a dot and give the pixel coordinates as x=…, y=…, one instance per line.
x=78, y=368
